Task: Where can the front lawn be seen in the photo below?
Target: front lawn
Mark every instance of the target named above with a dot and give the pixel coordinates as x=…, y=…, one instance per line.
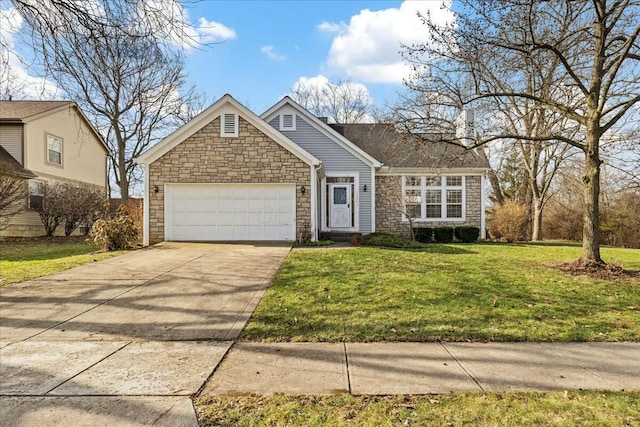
x=24, y=259
x=583, y=408
x=454, y=292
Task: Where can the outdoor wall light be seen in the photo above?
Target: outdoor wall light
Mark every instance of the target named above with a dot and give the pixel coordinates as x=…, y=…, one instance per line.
x=155, y=189
x=364, y=188
x=303, y=189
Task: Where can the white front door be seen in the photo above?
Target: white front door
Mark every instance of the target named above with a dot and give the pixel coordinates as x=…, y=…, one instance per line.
x=340, y=205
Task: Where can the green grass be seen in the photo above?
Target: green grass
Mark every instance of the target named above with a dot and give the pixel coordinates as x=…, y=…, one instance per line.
x=583, y=408
x=24, y=259
x=454, y=292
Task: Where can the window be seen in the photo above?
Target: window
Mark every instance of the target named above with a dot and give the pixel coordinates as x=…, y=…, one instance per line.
x=36, y=194
x=54, y=150
x=431, y=198
x=288, y=121
x=229, y=125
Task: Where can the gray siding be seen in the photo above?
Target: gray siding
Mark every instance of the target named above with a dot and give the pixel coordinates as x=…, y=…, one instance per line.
x=335, y=159
x=11, y=140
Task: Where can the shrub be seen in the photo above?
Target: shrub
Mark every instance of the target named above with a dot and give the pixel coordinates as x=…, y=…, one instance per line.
x=387, y=240
x=443, y=234
x=117, y=232
x=509, y=221
x=84, y=202
x=467, y=234
x=423, y=234
x=134, y=209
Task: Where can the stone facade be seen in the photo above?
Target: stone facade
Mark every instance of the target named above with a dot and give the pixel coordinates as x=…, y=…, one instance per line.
x=206, y=157
x=389, y=206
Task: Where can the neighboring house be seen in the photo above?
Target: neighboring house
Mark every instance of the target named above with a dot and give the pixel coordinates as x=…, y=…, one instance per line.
x=229, y=174
x=55, y=142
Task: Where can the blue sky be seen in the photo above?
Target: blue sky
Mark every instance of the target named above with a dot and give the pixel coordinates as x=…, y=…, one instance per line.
x=239, y=65
x=258, y=49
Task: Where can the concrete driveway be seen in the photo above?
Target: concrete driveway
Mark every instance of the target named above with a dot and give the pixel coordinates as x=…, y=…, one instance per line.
x=127, y=340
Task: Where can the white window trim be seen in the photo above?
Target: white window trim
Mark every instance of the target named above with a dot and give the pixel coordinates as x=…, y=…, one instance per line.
x=236, y=119
x=443, y=198
x=293, y=121
x=356, y=201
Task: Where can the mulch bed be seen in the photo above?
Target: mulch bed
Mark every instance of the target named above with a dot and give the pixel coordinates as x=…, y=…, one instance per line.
x=611, y=271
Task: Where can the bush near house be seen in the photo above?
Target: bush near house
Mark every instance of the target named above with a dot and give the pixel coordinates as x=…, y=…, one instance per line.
x=467, y=234
x=115, y=232
x=443, y=234
x=423, y=234
x=509, y=221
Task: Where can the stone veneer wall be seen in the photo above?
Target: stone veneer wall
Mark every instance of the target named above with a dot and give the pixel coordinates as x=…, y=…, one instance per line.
x=205, y=157
x=389, y=206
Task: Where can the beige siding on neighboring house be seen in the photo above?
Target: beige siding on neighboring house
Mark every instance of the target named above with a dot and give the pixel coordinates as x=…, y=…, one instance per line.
x=83, y=155
x=206, y=157
x=11, y=140
x=389, y=206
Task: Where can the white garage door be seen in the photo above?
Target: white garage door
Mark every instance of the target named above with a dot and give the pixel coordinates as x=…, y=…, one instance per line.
x=230, y=212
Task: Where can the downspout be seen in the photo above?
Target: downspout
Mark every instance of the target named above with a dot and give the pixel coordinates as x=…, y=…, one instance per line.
x=314, y=198
x=145, y=206
x=372, y=194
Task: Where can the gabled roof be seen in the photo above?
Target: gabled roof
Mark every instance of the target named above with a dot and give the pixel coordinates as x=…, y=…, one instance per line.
x=5, y=157
x=26, y=111
x=20, y=111
x=399, y=150
x=207, y=116
x=324, y=128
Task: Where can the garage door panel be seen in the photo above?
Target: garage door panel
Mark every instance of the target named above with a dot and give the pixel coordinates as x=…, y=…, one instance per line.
x=230, y=212
x=256, y=218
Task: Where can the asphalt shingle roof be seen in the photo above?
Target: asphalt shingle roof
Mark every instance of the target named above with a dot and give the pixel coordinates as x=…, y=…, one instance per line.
x=20, y=110
x=395, y=149
x=5, y=157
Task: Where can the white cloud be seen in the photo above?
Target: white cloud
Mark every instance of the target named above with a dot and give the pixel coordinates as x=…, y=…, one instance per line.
x=333, y=27
x=169, y=19
x=271, y=53
x=211, y=31
x=15, y=80
x=368, y=48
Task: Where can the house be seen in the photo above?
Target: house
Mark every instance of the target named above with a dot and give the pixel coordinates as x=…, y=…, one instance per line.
x=53, y=141
x=229, y=174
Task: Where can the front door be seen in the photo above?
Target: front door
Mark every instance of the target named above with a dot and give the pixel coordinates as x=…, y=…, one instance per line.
x=340, y=205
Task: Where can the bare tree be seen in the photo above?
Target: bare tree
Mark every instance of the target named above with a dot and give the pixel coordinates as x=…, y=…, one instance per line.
x=341, y=102
x=596, y=44
x=82, y=204
x=128, y=84
x=52, y=209
x=13, y=194
x=122, y=62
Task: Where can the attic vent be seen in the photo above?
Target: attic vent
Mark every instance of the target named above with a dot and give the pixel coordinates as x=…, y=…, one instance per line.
x=287, y=122
x=229, y=125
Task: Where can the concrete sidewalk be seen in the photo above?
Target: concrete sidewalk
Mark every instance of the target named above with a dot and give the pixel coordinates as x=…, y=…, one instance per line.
x=425, y=368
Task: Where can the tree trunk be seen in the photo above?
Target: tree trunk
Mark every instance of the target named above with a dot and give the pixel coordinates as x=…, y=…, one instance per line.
x=124, y=179
x=536, y=225
x=591, y=192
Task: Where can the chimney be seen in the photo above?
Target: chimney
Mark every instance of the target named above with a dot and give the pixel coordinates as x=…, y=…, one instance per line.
x=324, y=120
x=465, y=127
